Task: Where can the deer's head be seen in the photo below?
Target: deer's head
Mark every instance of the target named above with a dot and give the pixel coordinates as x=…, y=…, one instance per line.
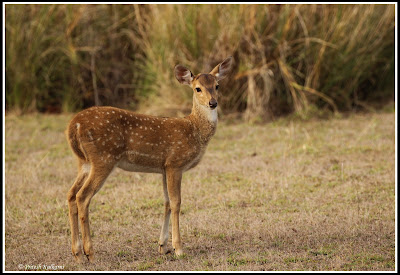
x=205, y=86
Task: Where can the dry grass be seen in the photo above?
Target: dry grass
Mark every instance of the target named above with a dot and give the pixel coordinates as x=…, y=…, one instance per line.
x=288, y=58
x=288, y=195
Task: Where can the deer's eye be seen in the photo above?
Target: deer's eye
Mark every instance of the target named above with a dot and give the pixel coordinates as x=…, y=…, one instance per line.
x=198, y=90
x=216, y=87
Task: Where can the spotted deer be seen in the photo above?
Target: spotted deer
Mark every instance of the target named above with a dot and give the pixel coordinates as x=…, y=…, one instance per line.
x=103, y=138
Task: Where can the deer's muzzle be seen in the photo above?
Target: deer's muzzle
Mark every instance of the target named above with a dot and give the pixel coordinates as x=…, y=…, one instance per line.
x=213, y=103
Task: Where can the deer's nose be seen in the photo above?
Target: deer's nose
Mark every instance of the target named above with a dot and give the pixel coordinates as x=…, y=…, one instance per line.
x=213, y=103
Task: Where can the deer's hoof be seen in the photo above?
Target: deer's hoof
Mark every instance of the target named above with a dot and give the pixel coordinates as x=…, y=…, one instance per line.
x=179, y=253
x=163, y=250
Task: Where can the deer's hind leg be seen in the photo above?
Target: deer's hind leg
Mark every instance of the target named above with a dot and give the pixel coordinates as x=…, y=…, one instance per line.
x=97, y=176
x=83, y=172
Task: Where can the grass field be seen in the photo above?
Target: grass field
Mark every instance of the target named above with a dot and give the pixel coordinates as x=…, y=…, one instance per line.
x=288, y=195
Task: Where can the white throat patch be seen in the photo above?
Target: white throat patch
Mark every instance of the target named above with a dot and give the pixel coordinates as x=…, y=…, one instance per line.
x=213, y=115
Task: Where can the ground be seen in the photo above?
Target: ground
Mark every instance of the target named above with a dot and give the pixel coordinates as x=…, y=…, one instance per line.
x=286, y=195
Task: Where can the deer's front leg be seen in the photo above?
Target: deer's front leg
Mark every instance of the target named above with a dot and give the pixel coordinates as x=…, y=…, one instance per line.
x=174, y=178
x=165, y=226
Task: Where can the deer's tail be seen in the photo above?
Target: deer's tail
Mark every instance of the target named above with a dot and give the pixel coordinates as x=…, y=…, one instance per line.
x=73, y=136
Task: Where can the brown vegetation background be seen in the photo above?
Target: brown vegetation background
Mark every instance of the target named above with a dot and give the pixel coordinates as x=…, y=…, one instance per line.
x=307, y=59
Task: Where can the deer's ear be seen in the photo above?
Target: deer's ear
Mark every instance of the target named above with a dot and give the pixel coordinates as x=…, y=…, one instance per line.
x=183, y=74
x=223, y=68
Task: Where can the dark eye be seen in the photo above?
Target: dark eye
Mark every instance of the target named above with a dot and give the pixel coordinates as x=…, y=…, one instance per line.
x=216, y=87
x=198, y=90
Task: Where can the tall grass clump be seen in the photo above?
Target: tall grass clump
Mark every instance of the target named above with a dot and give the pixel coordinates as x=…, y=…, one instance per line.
x=66, y=57
x=294, y=58
x=289, y=58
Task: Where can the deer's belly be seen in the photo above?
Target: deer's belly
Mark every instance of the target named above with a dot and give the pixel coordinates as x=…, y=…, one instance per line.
x=134, y=167
x=139, y=162
x=151, y=163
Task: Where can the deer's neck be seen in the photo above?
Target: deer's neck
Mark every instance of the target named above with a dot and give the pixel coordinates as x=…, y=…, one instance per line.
x=204, y=120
